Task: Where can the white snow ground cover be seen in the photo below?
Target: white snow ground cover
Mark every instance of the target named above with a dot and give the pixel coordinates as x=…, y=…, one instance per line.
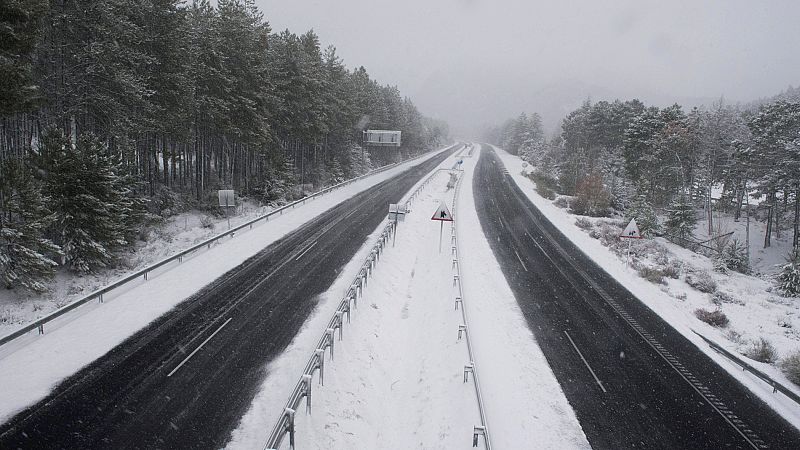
x=31, y=366
x=397, y=377
x=178, y=232
x=755, y=312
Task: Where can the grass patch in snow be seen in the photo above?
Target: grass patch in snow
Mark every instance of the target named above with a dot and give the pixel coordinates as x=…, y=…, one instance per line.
x=715, y=318
x=761, y=350
x=791, y=367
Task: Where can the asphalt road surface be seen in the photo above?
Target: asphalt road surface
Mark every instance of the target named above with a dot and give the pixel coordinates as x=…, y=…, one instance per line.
x=633, y=380
x=146, y=393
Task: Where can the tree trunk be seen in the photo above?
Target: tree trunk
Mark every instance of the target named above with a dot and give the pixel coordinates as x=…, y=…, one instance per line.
x=796, y=217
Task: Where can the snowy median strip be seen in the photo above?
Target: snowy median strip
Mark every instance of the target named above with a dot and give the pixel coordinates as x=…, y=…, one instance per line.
x=483, y=429
x=302, y=390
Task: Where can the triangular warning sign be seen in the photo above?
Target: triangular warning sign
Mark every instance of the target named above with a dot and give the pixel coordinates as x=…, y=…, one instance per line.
x=442, y=213
x=631, y=231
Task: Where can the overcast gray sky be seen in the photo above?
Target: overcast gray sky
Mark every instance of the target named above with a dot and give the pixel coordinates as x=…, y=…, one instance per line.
x=477, y=62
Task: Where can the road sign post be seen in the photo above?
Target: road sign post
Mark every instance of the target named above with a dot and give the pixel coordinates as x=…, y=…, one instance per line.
x=630, y=232
x=226, y=199
x=443, y=215
x=397, y=213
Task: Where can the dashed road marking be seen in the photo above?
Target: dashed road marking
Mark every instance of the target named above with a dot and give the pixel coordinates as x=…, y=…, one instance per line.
x=599, y=383
x=198, y=348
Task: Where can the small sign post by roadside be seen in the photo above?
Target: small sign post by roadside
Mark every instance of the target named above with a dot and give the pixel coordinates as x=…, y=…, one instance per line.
x=443, y=215
x=397, y=213
x=630, y=232
x=226, y=199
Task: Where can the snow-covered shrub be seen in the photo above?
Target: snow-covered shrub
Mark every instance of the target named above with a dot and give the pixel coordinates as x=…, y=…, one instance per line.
x=644, y=248
x=166, y=202
x=715, y=318
x=591, y=197
x=207, y=222
x=791, y=367
x=761, y=350
x=544, y=180
x=672, y=269
x=701, y=280
x=546, y=192
x=732, y=257
x=609, y=236
x=546, y=185
x=561, y=202
x=583, y=223
x=789, y=277
x=720, y=297
x=733, y=336
x=662, y=257
x=652, y=275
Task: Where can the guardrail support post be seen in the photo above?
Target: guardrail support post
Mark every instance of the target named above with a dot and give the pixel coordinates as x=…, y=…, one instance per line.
x=289, y=413
x=458, y=300
x=41, y=328
x=455, y=280
x=468, y=368
x=320, y=352
x=329, y=332
x=477, y=431
x=100, y=297
x=454, y=250
x=341, y=324
x=461, y=329
x=455, y=263
x=145, y=276
x=307, y=387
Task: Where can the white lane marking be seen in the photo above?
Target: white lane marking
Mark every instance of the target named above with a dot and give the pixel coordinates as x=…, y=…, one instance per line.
x=599, y=383
x=306, y=250
x=520, y=261
x=350, y=213
x=198, y=348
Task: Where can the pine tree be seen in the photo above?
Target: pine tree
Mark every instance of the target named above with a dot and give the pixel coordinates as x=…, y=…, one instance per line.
x=25, y=254
x=19, y=32
x=732, y=257
x=789, y=277
x=93, y=204
x=681, y=218
x=645, y=216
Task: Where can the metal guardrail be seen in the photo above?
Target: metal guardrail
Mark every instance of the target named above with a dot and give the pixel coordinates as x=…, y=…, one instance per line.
x=98, y=294
x=302, y=389
x=483, y=429
x=776, y=387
